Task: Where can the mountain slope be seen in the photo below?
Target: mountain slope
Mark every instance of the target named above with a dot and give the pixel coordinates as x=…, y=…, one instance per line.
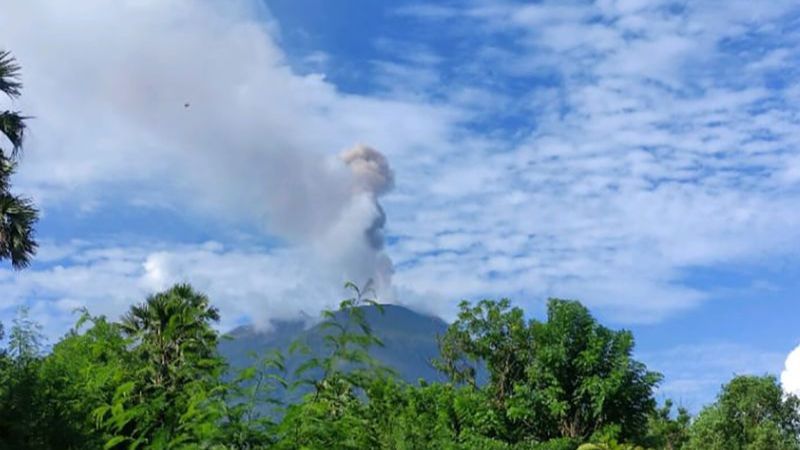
x=409, y=341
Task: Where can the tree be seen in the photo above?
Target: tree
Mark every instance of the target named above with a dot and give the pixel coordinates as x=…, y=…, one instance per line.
x=172, y=395
x=25, y=339
x=665, y=431
x=494, y=337
x=568, y=377
x=82, y=371
x=17, y=214
x=246, y=423
x=491, y=333
x=751, y=413
x=21, y=399
x=172, y=332
x=332, y=416
x=582, y=378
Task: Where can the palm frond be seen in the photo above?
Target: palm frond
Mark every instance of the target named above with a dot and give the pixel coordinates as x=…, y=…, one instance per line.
x=17, y=217
x=12, y=126
x=9, y=75
x=7, y=168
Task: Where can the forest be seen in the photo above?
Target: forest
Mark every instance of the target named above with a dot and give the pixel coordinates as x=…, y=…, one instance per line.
x=154, y=379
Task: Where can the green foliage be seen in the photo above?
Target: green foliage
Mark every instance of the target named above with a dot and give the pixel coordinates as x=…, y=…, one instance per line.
x=20, y=403
x=17, y=213
x=244, y=423
x=347, y=341
x=437, y=416
x=82, y=371
x=9, y=75
x=331, y=416
x=171, y=396
x=609, y=445
x=25, y=339
x=568, y=377
x=491, y=333
x=582, y=377
x=665, y=431
x=751, y=413
x=154, y=380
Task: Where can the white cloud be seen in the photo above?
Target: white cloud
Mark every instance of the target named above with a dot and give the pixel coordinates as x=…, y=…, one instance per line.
x=192, y=103
x=651, y=147
x=109, y=103
x=790, y=377
x=655, y=154
x=256, y=284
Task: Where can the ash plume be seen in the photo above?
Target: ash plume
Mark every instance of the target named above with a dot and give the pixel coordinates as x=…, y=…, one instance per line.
x=194, y=107
x=332, y=207
x=372, y=177
x=370, y=169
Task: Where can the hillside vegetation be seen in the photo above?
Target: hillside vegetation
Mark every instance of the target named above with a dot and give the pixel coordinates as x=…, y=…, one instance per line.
x=155, y=379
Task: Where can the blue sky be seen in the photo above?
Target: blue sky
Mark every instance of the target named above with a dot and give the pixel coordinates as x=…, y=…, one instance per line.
x=641, y=156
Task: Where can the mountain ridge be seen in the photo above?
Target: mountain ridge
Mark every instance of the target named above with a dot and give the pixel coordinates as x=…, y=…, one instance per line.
x=409, y=341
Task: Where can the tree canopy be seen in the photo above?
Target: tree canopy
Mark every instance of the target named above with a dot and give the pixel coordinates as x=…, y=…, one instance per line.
x=566, y=377
x=751, y=413
x=154, y=379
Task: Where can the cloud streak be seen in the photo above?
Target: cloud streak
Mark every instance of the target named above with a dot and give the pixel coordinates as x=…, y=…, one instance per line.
x=593, y=150
x=256, y=285
x=193, y=103
x=657, y=142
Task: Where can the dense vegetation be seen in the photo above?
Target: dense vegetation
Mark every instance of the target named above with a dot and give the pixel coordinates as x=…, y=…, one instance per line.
x=154, y=379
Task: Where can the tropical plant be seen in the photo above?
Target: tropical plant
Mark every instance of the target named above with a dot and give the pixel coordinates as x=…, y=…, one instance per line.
x=567, y=377
x=25, y=339
x=751, y=413
x=582, y=378
x=666, y=430
x=172, y=398
x=347, y=340
x=154, y=380
x=21, y=402
x=17, y=213
x=250, y=403
x=82, y=371
x=609, y=445
x=332, y=416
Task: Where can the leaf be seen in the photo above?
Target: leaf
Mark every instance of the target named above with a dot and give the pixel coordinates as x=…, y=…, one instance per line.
x=246, y=374
x=114, y=441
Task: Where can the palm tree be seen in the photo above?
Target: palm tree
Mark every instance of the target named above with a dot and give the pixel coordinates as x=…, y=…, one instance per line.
x=175, y=369
x=17, y=214
x=173, y=334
